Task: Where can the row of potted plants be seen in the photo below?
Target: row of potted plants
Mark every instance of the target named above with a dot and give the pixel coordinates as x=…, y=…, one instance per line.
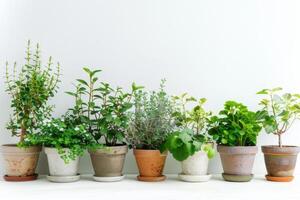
x=107, y=121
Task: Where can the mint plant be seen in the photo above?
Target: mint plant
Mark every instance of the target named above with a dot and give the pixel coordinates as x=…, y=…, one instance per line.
x=191, y=134
x=236, y=125
x=30, y=90
x=151, y=121
x=281, y=111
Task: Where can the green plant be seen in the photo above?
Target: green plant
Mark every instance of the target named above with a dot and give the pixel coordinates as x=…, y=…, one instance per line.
x=152, y=121
x=281, y=111
x=191, y=135
x=30, y=91
x=69, y=138
x=236, y=125
x=106, y=110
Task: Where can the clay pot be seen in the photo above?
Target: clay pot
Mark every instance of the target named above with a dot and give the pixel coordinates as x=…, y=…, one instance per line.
x=109, y=161
x=280, y=162
x=58, y=167
x=151, y=164
x=237, y=162
x=20, y=163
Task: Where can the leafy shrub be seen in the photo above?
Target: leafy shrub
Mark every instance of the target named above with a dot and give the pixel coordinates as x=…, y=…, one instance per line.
x=236, y=125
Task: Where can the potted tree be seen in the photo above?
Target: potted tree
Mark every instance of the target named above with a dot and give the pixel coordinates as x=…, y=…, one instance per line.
x=190, y=144
x=150, y=125
x=30, y=91
x=107, y=114
x=235, y=131
x=281, y=111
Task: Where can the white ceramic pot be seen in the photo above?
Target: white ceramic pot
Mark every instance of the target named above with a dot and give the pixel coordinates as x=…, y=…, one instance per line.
x=58, y=167
x=196, y=164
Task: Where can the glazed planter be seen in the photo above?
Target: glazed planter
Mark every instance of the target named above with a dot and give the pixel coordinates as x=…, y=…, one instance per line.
x=194, y=168
x=237, y=162
x=280, y=162
x=59, y=171
x=150, y=164
x=20, y=163
x=108, y=163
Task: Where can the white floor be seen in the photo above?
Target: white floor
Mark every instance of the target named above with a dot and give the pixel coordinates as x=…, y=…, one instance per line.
x=171, y=189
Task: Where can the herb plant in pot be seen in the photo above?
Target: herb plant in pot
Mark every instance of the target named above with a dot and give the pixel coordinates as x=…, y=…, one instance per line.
x=30, y=91
x=235, y=131
x=281, y=111
x=150, y=125
x=190, y=144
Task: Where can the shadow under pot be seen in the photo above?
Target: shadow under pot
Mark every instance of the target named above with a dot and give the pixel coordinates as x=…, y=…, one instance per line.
x=20, y=163
x=59, y=171
x=108, y=163
x=150, y=164
x=237, y=162
x=280, y=162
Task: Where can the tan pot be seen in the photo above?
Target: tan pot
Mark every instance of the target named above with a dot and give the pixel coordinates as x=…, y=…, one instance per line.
x=151, y=164
x=20, y=162
x=280, y=162
x=109, y=161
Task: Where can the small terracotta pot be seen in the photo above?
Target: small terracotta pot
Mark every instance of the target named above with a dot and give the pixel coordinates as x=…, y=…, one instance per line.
x=280, y=162
x=237, y=161
x=109, y=161
x=151, y=164
x=20, y=163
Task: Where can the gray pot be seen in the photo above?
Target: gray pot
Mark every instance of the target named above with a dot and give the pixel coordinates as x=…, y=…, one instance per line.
x=237, y=160
x=109, y=161
x=280, y=161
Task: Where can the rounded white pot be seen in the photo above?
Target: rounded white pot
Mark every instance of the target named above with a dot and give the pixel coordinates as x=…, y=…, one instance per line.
x=58, y=167
x=196, y=164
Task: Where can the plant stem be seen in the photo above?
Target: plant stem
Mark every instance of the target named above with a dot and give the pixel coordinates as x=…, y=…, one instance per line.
x=279, y=140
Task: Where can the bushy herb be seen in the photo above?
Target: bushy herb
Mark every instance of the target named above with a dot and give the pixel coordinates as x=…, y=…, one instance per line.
x=281, y=111
x=236, y=125
x=151, y=121
x=191, y=135
x=30, y=91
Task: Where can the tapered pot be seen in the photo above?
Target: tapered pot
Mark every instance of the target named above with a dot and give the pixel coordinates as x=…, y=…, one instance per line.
x=108, y=162
x=280, y=162
x=20, y=163
x=150, y=164
x=237, y=162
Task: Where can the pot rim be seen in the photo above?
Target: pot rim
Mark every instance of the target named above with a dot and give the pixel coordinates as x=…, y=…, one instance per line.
x=138, y=152
x=277, y=150
x=120, y=149
x=222, y=149
x=14, y=149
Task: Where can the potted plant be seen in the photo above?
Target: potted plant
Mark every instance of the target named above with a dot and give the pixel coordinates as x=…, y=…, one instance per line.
x=30, y=91
x=150, y=125
x=107, y=114
x=235, y=131
x=281, y=111
x=190, y=144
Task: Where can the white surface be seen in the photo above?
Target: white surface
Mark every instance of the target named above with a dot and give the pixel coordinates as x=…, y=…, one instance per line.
x=221, y=49
x=171, y=189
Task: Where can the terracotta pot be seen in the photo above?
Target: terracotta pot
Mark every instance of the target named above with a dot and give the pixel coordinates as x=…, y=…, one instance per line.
x=20, y=163
x=237, y=161
x=280, y=162
x=109, y=161
x=151, y=164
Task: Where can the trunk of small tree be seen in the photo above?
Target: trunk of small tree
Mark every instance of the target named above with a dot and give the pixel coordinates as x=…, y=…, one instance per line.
x=23, y=133
x=279, y=140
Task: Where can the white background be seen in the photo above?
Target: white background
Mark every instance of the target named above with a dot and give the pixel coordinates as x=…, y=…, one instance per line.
x=216, y=49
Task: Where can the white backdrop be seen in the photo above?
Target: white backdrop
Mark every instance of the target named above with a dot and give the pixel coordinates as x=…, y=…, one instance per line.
x=217, y=49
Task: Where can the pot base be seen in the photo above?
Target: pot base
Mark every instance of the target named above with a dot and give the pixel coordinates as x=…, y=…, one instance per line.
x=194, y=178
x=108, y=179
x=63, y=179
x=151, y=179
x=237, y=178
x=20, y=178
x=280, y=179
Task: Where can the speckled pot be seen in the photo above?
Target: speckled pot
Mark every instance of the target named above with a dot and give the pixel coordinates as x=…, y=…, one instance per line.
x=196, y=164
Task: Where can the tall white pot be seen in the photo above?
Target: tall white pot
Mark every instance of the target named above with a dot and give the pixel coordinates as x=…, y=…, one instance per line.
x=196, y=164
x=57, y=166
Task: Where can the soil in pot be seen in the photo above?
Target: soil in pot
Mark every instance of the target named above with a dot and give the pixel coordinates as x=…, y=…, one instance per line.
x=237, y=161
x=108, y=163
x=280, y=162
x=150, y=164
x=20, y=163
